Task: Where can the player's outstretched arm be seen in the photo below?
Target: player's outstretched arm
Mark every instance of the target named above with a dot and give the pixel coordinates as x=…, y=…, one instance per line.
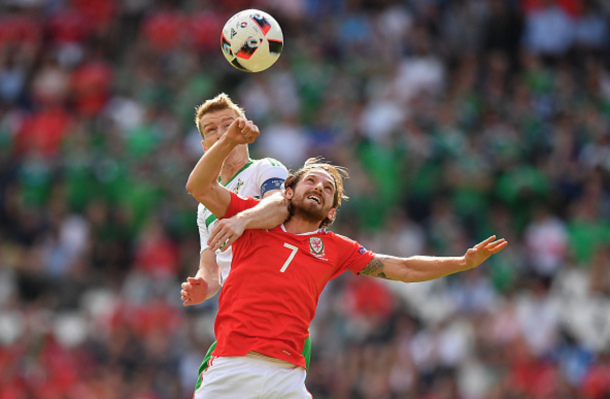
x=206, y=282
x=203, y=183
x=424, y=268
x=269, y=213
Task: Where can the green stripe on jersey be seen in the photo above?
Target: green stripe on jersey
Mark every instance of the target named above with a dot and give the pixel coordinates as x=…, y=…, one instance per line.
x=210, y=220
x=241, y=170
x=274, y=162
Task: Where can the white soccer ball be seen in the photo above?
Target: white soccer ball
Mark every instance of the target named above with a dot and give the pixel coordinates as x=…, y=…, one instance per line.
x=252, y=40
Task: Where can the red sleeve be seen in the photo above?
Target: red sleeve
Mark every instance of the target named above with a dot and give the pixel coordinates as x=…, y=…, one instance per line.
x=238, y=204
x=356, y=257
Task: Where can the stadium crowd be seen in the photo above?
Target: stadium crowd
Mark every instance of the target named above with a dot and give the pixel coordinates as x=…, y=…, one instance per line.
x=455, y=118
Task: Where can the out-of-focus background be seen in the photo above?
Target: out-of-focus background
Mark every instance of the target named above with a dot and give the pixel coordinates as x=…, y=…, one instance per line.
x=456, y=119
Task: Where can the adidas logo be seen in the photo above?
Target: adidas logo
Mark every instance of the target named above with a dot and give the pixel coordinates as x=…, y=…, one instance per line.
x=233, y=33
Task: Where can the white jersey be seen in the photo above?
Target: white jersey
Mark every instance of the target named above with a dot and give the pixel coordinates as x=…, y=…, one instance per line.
x=253, y=180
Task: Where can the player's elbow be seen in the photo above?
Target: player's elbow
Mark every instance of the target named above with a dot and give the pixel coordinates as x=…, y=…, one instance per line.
x=191, y=187
x=197, y=190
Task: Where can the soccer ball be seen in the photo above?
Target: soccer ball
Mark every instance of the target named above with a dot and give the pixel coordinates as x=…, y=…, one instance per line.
x=251, y=40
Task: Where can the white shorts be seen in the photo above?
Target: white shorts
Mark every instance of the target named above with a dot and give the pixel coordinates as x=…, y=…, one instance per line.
x=252, y=377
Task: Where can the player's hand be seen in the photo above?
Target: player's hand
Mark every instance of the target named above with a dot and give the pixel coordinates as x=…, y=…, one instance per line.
x=194, y=291
x=242, y=131
x=225, y=232
x=483, y=250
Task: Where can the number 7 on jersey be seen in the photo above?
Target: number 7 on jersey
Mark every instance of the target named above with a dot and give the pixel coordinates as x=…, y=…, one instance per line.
x=290, y=258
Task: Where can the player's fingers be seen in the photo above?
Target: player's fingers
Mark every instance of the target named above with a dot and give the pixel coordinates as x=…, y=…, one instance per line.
x=217, y=228
x=495, y=243
x=220, y=241
x=485, y=242
x=497, y=247
x=193, y=281
x=229, y=242
x=217, y=236
x=217, y=244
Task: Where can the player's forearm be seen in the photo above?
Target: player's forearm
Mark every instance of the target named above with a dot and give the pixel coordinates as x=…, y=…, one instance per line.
x=212, y=278
x=205, y=174
x=424, y=268
x=269, y=213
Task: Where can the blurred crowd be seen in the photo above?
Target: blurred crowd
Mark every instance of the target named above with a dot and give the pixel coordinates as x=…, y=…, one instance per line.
x=457, y=119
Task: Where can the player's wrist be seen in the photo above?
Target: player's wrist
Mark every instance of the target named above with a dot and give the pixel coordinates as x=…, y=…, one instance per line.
x=227, y=143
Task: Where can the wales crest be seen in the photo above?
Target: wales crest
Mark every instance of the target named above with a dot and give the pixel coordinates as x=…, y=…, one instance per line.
x=316, y=245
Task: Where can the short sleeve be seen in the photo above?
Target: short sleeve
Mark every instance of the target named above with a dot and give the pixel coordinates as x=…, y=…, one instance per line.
x=271, y=175
x=238, y=204
x=204, y=232
x=355, y=256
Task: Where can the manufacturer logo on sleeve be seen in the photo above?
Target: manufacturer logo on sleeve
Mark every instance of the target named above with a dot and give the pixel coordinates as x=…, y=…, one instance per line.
x=316, y=245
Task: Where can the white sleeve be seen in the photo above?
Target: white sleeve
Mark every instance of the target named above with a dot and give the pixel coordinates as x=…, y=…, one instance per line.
x=271, y=175
x=204, y=232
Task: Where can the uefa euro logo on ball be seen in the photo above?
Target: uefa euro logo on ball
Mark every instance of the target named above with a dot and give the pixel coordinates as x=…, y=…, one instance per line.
x=252, y=40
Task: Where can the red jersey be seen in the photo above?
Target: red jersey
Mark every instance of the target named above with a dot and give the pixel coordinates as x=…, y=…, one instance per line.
x=270, y=298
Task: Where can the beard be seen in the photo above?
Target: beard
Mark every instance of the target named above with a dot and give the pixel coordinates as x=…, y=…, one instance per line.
x=307, y=210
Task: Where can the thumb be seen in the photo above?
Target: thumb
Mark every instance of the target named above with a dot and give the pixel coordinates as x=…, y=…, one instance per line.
x=194, y=280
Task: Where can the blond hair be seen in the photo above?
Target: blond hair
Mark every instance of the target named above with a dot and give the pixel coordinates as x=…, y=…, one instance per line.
x=218, y=103
x=338, y=174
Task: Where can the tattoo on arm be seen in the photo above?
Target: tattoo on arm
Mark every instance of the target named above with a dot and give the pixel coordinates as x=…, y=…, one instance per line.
x=375, y=267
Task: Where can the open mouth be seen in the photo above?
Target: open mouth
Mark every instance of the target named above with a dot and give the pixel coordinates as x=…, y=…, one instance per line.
x=315, y=198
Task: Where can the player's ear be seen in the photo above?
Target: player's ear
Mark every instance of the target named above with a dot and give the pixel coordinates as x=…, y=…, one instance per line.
x=288, y=193
x=332, y=213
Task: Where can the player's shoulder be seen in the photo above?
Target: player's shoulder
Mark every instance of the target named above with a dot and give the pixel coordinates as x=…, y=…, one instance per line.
x=339, y=237
x=268, y=162
x=348, y=242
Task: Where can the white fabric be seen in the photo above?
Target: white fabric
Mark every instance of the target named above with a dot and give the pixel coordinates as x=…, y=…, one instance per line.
x=251, y=377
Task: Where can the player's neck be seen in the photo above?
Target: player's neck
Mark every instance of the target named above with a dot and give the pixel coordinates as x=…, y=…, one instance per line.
x=297, y=225
x=231, y=166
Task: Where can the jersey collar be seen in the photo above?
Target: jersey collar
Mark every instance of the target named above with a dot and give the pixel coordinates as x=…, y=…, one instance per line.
x=301, y=234
x=238, y=172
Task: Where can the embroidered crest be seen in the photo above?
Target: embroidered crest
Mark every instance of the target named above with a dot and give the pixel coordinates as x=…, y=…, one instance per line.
x=239, y=185
x=316, y=245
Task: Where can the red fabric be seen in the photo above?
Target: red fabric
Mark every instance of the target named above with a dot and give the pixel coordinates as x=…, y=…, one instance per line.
x=368, y=297
x=157, y=257
x=572, y=7
x=17, y=29
x=91, y=87
x=95, y=12
x=69, y=26
x=237, y=4
x=204, y=30
x=143, y=320
x=596, y=383
x=163, y=30
x=12, y=391
x=44, y=131
x=266, y=310
x=535, y=378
